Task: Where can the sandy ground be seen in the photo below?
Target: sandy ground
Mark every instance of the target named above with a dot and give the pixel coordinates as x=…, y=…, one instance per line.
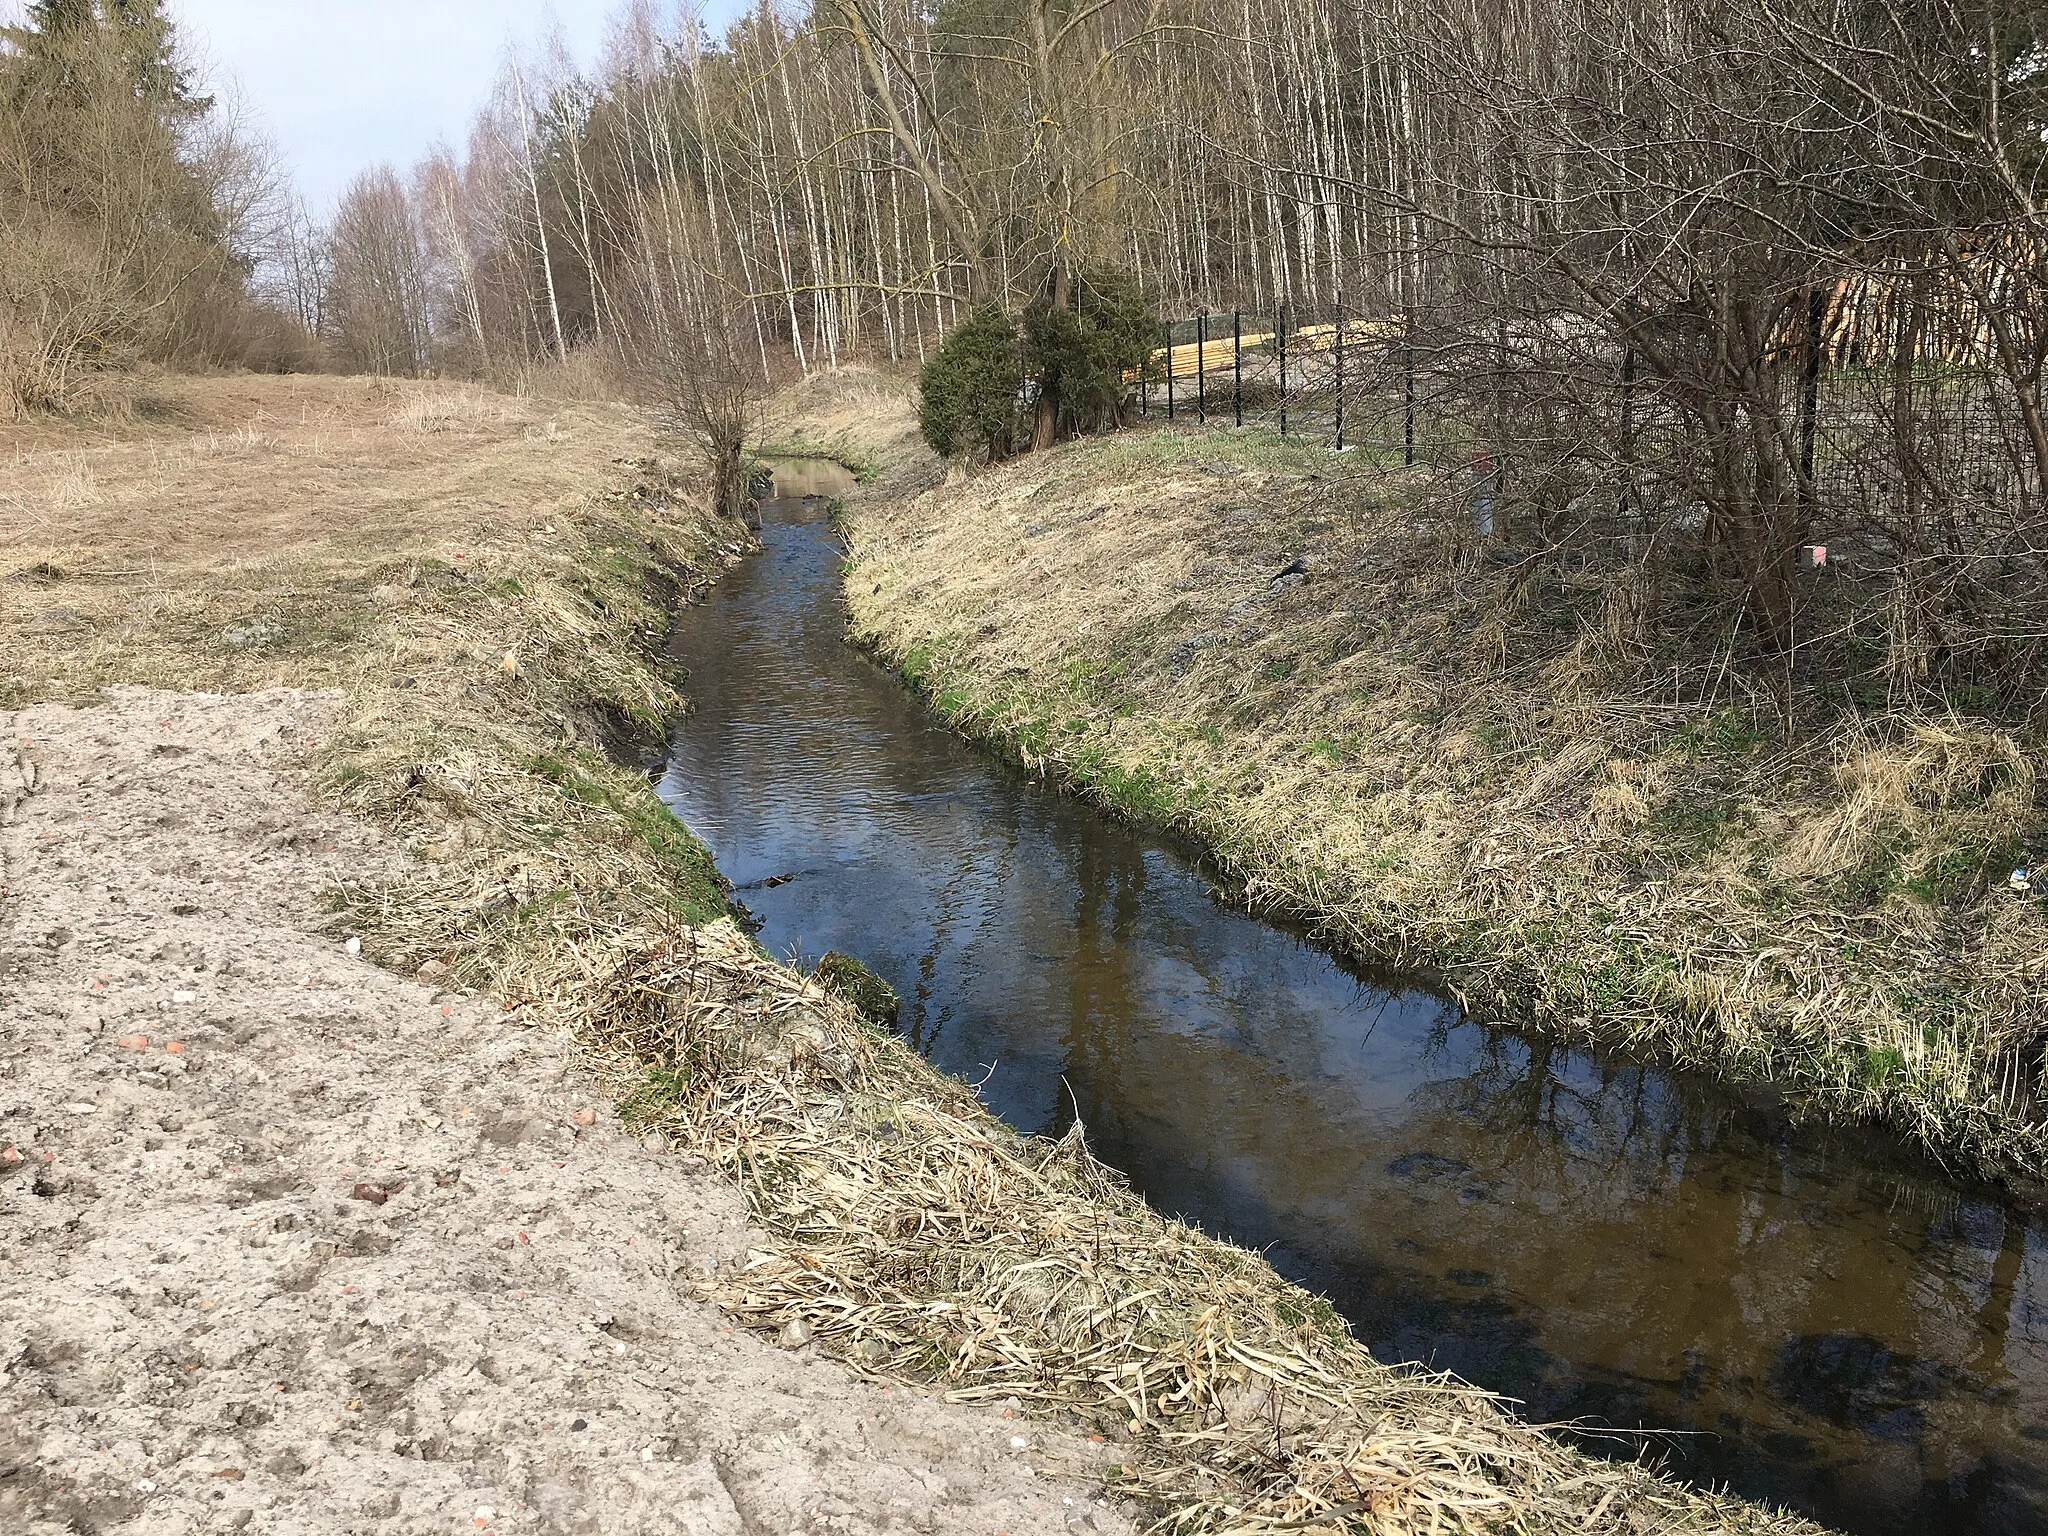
x=289, y=1244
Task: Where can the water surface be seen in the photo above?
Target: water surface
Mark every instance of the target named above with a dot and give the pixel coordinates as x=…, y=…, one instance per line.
x=1804, y=1317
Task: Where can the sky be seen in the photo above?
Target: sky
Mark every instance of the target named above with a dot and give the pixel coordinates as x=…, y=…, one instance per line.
x=340, y=85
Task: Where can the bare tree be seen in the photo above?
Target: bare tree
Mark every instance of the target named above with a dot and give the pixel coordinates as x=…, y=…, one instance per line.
x=685, y=342
x=376, y=305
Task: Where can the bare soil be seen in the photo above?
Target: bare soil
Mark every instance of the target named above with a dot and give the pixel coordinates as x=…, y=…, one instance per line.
x=291, y=1244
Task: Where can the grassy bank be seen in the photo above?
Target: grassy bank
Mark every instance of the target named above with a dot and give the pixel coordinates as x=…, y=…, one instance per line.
x=442, y=560
x=1453, y=756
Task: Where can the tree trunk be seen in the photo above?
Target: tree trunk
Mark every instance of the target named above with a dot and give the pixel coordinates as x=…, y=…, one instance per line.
x=1045, y=429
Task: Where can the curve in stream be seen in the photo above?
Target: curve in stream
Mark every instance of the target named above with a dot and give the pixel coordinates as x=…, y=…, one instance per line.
x=1820, y=1323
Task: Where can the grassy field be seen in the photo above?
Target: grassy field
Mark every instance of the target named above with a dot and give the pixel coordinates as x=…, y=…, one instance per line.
x=485, y=581
x=1451, y=757
x=442, y=556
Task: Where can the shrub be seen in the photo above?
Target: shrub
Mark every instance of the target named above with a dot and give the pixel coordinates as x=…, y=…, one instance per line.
x=1080, y=353
x=969, y=387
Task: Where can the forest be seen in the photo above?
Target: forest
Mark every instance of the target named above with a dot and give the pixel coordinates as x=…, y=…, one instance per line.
x=1705, y=291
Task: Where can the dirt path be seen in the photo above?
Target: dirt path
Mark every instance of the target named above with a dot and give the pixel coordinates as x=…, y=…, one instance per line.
x=289, y=1244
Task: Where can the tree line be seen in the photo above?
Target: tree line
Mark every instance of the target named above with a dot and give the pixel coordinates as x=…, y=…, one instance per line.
x=1695, y=286
x=132, y=211
x=1731, y=278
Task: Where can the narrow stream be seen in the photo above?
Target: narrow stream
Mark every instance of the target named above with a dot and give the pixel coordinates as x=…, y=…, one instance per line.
x=1808, y=1318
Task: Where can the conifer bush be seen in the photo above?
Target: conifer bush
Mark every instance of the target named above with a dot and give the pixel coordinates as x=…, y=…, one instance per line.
x=969, y=387
x=1078, y=355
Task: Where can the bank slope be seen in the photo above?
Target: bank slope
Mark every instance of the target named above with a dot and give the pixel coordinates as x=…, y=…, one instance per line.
x=1453, y=756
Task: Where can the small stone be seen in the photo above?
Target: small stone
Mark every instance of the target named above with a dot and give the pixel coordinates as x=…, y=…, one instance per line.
x=354, y=946
x=184, y=997
x=585, y=1117
x=795, y=1334
x=83, y=1108
x=430, y=973
x=1018, y=1442
x=579, y=1423
x=376, y=1194
x=654, y=1141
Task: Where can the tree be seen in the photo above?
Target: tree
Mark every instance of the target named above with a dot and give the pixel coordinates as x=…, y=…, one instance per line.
x=123, y=226
x=142, y=35
x=683, y=339
x=1080, y=354
x=377, y=302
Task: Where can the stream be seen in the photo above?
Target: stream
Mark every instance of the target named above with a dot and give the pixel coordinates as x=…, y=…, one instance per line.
x=1811, y=1318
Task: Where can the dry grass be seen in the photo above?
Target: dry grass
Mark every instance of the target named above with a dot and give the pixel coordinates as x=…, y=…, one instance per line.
x=918, y=1236
x=1459, y=764
x=447, y=557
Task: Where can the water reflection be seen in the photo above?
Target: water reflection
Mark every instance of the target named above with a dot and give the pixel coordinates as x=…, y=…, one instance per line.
x=1610, y=1244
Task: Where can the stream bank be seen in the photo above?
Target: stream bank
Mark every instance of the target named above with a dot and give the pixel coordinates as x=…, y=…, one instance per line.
x=1443, y=757
x=434, y=567
x=291, y=1242
x=1797, y=1314
x=1045, y=955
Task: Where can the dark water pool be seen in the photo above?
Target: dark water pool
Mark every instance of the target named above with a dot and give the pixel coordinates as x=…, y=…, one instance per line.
x=1803, y=1317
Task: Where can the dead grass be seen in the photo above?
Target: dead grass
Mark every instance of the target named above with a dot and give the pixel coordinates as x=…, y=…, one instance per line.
x=448, y=557
x=920, y=1237
x=1455, y=763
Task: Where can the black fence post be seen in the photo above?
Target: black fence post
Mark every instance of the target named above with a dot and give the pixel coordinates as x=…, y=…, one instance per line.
x=1237, y=363
x=1408, y=390
x=1340, y=372
x=1202, y=368
x=1169, y=373
x=1281, y=339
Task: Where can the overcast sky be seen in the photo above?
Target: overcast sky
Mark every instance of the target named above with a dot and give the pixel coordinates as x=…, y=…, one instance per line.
x=343, y=84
